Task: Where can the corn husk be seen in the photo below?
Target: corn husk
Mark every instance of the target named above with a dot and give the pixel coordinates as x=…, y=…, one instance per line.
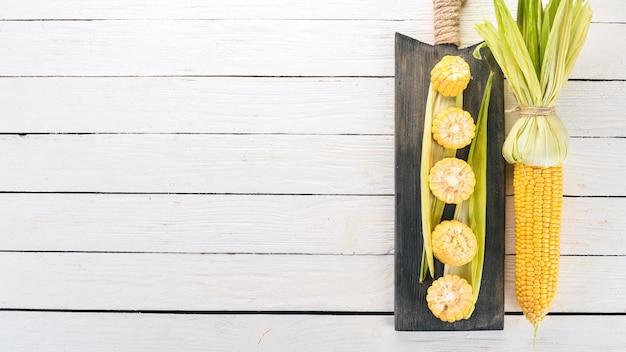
x=537, y=54
x=431, y=207
x=474, y=210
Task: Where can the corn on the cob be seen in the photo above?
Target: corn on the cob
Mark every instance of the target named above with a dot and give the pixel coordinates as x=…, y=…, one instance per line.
x=450, y=298
x=453, y=128
x=538, y=205
x=537, y=55
x=450, y=76
x=451, y=180
x=454, y=243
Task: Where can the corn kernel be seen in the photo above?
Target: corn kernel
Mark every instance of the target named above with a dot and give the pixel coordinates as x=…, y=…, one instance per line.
x=454, y=243
x=450, y=76
x=451, y=180
x=450, y=298
x=538, y=200
x=453, y=128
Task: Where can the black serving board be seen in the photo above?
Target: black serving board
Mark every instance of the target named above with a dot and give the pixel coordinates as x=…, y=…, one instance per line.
x=414, y=61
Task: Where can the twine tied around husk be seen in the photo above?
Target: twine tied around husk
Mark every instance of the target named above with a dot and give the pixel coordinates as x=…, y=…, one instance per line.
x=532, y=111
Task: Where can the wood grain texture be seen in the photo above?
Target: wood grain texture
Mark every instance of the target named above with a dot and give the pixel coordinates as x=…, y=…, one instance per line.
x=276, y=164
x=277, y=105
x=274, y=283
x=196, y=282
x=414, y=61
x=590, y=226
x=581, y=102
x=599, y=276
x=604, y=10
x=590, y=168
x=197, y=105
x=256, y=224
x=205, y=47
x=197, y=223
x=209, y=56
x=198, y=163
x=77, y=332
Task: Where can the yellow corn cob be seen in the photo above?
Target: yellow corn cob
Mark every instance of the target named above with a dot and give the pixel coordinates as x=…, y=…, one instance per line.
x=453, y=128
x=454, y=243
x=450, y=76
x=450, y=298
x=451, y=180
x=538, y=204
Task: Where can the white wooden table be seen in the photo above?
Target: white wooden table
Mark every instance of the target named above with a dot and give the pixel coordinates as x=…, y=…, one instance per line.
x=218, y=176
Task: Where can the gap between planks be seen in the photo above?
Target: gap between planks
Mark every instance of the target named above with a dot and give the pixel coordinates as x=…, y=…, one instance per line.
x=268, y=312
x=266, y=332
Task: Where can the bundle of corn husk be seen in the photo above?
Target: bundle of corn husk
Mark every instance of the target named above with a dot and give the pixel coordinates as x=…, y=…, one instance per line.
x=537, y=54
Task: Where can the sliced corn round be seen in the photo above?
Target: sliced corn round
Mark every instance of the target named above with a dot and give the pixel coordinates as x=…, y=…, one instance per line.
x=453, y=128
x=451, y=180
x=450, y=298
x=450, y=76
x=454, y=243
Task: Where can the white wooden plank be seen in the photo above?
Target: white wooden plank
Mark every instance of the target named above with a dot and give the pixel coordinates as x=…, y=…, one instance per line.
x=253, y=105
x=221, y=45
x=587, y=284
x=236, y=9
x=587, y=108
x=197, y=223
x=197, y=282
x=94, y=332
x=242, y=48
x=198, y=105
x=249, y=164
x=601, y=44
x=590, y=226
x=256, y=224
x=593, y=168
x=200, y=47
x=198, y=163
x=604, y=11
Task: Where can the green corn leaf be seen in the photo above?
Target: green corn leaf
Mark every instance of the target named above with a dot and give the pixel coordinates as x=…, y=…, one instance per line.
x=553, y=37
x=473, y=211
x=477, y=159
x=555, y=56
x=426, y=197
x=529, y=17
x=431, y=207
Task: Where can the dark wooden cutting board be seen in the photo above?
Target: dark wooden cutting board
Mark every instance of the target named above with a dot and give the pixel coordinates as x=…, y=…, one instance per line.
x=414, y=61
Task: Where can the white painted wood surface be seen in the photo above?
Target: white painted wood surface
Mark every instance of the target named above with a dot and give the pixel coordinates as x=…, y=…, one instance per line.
x=216, y=157
x=267, y=282
x=225, y=163
x=130, y=332
x=289, y=224
x=243, y=47
x=604, y=10
x=288, y=105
